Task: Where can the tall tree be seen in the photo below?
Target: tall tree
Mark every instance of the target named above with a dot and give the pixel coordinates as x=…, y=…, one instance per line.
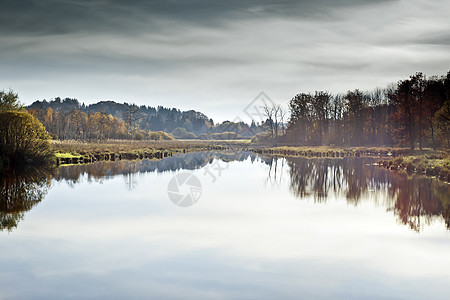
x=442, y=120
x=9, y=101
x=355, y=103
x=299, y=123
x=418, y=86
x=404, y=115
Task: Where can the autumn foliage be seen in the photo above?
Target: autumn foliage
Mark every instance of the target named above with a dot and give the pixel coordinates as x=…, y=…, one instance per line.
x=414, y=113
x=23, y=139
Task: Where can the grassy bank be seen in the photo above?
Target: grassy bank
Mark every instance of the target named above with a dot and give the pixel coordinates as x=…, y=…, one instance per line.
x=74, y=152
x=429, y=162
x=434, y=165
x=329, y=151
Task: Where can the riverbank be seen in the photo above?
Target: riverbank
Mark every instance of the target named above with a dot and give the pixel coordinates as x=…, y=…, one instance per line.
x=430, y=165
x=429, y=162
x=329, y=151
x=77, y=152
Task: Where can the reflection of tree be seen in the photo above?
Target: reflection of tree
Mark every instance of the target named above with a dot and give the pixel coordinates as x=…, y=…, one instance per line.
x=130, y=181
x=442, y=192
x=414, y=201
x=301, y=177
x=417, y=201
x=276, y=167
x=20, y=190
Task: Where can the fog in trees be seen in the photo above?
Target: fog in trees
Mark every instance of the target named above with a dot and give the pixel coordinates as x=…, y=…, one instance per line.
x=412, y=113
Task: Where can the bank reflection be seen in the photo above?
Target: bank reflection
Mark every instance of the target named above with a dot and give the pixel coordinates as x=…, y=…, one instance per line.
x=103, y=170
x=20, y=191
x=416, y=201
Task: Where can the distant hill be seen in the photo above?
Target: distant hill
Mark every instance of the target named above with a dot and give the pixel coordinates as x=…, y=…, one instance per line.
x=146, y=117
x=188, y=124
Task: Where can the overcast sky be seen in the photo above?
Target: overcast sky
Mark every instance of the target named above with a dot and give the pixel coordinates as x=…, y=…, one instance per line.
x=215, y=56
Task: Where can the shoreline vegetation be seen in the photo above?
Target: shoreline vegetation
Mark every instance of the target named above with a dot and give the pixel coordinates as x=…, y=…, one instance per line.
x=429, y=162
x=77, y=152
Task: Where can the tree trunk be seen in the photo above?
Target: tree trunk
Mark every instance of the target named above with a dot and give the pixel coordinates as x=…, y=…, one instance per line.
x=420, y=124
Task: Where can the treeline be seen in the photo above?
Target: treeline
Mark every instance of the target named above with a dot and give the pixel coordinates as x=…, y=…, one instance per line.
x=68, y=119
x=79, y=125
x=134, y=117
x=414, y=112
x=227, y=130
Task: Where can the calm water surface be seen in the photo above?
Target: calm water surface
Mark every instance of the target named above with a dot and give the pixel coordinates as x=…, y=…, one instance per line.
x=261, y=228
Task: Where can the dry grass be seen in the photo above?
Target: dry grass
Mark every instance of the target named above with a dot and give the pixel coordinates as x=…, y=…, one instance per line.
x=353, y=151
x=435, y=165
x=120, y=146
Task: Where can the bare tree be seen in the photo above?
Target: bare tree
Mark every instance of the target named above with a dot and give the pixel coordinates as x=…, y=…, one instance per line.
x=131, y=119
x=282, y=113
x=268, y=113
x=276, y=111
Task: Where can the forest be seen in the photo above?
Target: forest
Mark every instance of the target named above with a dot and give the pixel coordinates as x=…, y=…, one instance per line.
x=413, y=113
x=68, y=119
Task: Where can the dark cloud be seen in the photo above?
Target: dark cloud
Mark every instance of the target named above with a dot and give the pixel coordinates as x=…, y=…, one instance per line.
x=69, y=16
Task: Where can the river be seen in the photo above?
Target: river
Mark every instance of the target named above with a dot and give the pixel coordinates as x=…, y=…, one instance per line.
x=224, y=225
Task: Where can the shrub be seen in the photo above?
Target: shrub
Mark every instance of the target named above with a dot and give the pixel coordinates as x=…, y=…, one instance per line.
x=203, y=136
x=190, y=136
x=227, y=135
x=182, y=133
x=138, y=136
x=159, y=135
x=179, y=132
x=261, y=138
x=23, y=137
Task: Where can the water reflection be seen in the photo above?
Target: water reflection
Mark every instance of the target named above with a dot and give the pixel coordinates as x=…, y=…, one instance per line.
x=103, y=170
x=20, y=191
x=415, y=201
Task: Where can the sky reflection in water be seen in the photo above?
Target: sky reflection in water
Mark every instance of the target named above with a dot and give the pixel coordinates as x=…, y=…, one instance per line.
x=263, y=228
